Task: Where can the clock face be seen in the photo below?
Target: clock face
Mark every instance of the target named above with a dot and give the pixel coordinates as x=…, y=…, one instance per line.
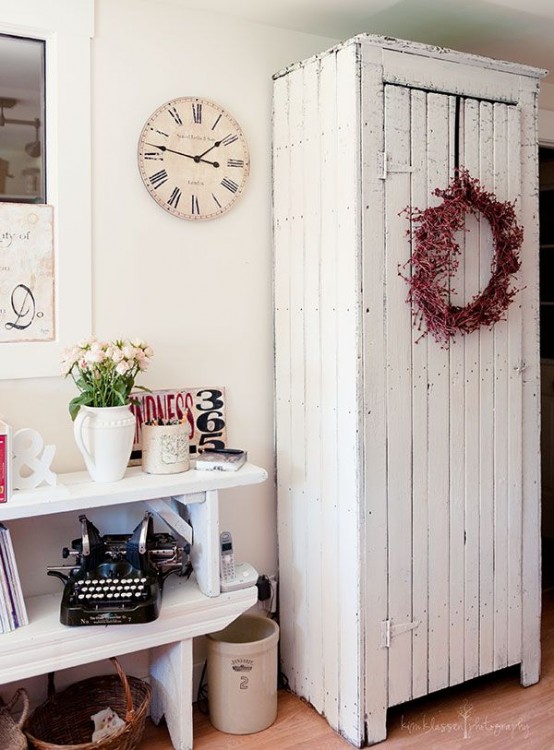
x=193, y=158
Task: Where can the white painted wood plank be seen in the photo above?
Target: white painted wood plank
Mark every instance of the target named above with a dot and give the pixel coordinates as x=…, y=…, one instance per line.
x=420, y=464
x=376, y=559
x=531, y=606
x=502, y=414
x=515, y=439
x=399, y=403
x=204, y=552
x=44, y=645
x=457, y=452
x=314, y=450
x=298, y=434
x=448, y=77
x=438, y=430
x=282, y=275
x=470, y=159
x=76, y=490
x=329, y=385
x=171, y=680
x=375, y=45
x=348, y=393
x=486, y=415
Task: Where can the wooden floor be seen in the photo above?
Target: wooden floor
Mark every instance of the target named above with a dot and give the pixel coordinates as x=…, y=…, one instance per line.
x=490, y=713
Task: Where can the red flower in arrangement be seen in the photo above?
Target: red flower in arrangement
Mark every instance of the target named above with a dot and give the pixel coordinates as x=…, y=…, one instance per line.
x=435, y=259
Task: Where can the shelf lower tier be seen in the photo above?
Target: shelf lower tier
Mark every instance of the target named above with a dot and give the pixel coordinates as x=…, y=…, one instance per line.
x=45, y=645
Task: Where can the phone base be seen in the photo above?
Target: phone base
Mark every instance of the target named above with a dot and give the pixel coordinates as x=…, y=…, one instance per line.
x=246, y=575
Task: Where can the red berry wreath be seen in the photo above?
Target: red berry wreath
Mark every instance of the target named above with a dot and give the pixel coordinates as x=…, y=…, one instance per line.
x=435, y=259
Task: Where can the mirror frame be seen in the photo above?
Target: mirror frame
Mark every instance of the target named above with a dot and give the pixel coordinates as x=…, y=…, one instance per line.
x=67, y=28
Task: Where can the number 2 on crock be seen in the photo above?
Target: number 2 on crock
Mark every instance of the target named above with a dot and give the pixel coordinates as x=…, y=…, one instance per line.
x=210, y=422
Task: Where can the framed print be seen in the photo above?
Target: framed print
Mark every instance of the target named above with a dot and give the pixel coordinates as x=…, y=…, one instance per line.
x=26, y=273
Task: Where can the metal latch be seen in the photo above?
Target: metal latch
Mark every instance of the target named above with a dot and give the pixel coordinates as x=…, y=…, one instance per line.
x=385, y=167
x=389, y=631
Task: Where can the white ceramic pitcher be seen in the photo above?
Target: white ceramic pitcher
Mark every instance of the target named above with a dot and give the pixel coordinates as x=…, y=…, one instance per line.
x=105, y=435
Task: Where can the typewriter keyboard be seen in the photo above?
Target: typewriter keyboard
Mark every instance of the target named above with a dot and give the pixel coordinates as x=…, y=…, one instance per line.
x=114, y=591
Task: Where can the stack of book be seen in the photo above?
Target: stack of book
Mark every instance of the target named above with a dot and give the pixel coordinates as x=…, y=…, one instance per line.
x=13, y=613
x=5, y=462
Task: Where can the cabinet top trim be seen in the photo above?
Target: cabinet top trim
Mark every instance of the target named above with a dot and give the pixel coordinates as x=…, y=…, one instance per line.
x=424, y=50
x=75, y=490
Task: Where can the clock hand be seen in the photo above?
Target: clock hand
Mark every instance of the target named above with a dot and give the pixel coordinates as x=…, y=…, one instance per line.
x=215, y=145
x=164, y=148
x=181, y=153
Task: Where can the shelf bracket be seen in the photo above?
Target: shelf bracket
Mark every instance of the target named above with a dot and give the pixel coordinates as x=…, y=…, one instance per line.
x=171, y=518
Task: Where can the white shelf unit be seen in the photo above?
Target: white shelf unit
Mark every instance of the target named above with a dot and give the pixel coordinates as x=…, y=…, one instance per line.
x=189, y=608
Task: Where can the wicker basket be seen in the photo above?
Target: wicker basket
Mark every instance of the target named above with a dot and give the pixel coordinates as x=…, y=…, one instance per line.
x=63, y=722
x=11, y=736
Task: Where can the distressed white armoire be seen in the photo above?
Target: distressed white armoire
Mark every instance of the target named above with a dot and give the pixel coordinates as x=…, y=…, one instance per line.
x=408, y=492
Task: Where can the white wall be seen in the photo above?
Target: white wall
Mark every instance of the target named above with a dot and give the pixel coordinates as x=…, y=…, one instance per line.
x=200, y=292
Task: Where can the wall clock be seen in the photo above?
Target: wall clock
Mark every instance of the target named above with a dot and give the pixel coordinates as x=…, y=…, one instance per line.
x=193, y=158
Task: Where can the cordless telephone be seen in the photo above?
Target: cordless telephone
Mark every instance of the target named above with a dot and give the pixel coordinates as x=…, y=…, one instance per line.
x=227, y=558
x=233, y=577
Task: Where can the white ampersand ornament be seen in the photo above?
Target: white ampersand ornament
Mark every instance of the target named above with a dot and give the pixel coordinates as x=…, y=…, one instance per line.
x=31, y=464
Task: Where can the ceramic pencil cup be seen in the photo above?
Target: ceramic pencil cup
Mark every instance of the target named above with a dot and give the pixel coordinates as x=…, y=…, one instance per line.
x=165, y=448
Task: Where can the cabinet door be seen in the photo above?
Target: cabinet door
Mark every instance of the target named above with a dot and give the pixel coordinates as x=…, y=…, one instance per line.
x=453, y=416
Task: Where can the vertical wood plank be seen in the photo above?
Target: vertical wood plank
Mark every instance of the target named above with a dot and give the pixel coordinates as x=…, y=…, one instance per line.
x=349, y=389
x=205, y=519
x=486, y=414
x=515, y=443
x=531, y=603
x=329, y=384
x=399, y=403
x=457, y=455
x=311, y=185
x=282, y=279
x=471, y=409
x=502, y=412
x=171, y=677
x=373, y=254
x=438, y=430
x=298, y=435
x=420, y=467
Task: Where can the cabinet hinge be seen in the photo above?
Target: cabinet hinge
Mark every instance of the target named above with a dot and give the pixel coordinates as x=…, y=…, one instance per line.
x=385, y=166
x=389, y=631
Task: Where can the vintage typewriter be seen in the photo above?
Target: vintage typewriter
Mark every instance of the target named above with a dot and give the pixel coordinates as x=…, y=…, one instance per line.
x=118, y=578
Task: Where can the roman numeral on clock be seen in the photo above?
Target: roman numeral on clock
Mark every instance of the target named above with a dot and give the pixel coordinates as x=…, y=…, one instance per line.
x=197, y=113
x=159, y=178
x=229, y=184
x=215, y=199
x=173, y=112
x=229, y=139
x=174, y=198
x=195, y=208
x=235, y=163
x=217, y=119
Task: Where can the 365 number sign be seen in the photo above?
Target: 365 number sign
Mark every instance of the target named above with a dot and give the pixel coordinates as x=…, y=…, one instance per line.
x=202, y=408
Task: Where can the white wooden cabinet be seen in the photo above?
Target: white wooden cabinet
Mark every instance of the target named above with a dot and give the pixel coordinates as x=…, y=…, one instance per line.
x=189, y=608
x=408, y=474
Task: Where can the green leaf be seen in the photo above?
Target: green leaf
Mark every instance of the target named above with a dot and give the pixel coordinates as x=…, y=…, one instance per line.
x=75, y=404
